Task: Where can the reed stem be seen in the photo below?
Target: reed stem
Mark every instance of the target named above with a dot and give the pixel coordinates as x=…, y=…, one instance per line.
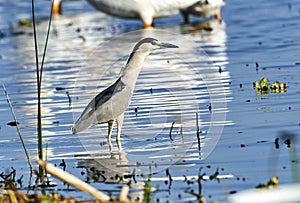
x=39, y=116
x=39, y=73
x=17, y=126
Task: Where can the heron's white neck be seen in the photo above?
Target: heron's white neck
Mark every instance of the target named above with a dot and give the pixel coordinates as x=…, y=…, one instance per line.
x=133, y=68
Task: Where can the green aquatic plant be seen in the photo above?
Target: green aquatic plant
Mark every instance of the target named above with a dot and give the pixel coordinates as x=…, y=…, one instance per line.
x=264, y=87
x=24, y=22
x=278, y=87
x=39, y=74
x=18, y=129
x=264, y=84
x=273, y=182
x=147, y=190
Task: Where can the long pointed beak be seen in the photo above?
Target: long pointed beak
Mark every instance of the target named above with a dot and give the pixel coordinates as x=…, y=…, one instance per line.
x=164, y=45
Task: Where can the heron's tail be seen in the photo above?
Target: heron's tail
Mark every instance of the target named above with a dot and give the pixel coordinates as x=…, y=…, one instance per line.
x=86, y=119
x=79, y=127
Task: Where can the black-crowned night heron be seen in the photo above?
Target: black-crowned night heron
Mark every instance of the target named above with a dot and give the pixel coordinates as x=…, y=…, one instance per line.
x=109, y=105
x=147, y=10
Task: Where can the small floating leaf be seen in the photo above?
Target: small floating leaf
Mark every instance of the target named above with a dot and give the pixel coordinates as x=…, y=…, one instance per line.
x=24, y=22
x=275, y=85
x=263, y=87
x=270, y=184
x=282, y=85
x=256, y=85
x=264, y=84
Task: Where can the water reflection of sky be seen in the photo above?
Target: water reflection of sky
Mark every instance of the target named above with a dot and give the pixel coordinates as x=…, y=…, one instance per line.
x=74, y=48
x=73, y=64
x=235, y=45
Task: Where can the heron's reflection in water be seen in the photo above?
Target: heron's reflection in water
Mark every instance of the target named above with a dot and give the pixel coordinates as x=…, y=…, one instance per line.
x=111, y=167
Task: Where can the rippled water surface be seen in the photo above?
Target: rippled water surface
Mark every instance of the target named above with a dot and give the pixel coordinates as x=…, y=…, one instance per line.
x=210, y=75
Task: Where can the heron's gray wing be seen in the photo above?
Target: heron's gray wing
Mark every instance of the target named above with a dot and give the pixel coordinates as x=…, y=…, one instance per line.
x=101, y=98
x=87, y=117
x=106, y=94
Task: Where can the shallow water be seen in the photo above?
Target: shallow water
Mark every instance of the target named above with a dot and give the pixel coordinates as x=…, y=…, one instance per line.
x=245, y=155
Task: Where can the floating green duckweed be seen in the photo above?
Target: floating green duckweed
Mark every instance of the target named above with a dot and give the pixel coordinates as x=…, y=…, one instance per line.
x=24, y=22
x=264, y=87
x=273, y=182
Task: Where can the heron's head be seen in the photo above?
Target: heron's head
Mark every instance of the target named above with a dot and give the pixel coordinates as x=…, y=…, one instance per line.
x=150, y=44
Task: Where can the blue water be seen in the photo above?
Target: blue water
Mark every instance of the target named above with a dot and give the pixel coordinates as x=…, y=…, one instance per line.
x=262, y=32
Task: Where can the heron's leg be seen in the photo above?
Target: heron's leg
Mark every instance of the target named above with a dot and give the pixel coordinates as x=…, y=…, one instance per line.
x=120, y=120
x=110, y=128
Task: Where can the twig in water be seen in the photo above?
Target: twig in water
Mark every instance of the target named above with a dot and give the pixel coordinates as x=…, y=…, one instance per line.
x=198, y=134
x=170, y=178
x=170, y=134
x=72, y=180
x=136, y=110
x=68, y=95
x=199, y=196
